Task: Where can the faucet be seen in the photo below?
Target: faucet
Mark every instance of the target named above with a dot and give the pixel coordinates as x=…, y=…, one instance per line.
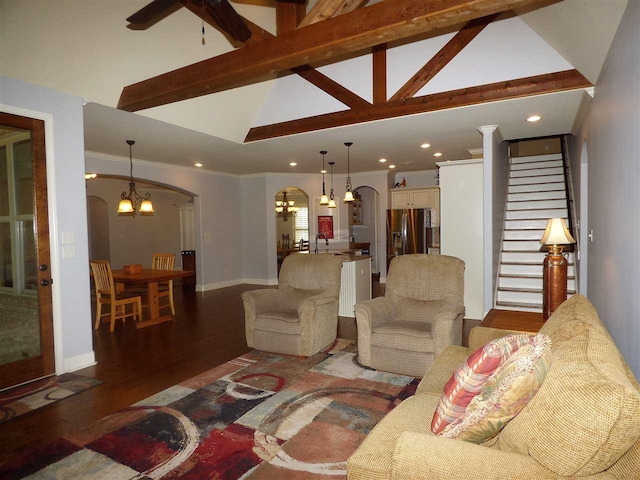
x=325, y=239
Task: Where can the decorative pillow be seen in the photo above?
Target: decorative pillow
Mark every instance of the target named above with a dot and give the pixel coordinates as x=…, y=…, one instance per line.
x=469, y=379
x=505, y=394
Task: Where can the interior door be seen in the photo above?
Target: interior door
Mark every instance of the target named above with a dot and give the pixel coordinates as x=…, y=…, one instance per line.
x=26, y=320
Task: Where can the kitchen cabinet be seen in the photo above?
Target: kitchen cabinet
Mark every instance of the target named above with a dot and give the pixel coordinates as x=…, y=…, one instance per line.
x=418, y=198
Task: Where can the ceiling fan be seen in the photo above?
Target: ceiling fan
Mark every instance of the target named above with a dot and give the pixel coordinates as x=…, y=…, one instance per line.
x=220, y=10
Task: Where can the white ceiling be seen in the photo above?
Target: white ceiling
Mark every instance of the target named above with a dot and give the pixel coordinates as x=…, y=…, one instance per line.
x=95, y=60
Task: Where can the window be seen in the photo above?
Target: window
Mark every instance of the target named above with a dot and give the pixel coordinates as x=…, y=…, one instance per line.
x=301, y=226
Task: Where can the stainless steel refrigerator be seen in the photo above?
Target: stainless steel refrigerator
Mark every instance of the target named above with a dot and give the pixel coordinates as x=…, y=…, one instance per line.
x=407, y=232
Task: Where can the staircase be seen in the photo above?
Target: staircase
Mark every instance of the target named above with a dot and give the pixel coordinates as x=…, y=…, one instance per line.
x=536, y=193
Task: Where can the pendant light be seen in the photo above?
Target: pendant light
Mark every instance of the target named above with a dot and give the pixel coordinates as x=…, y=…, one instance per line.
x=324, y=200
x=332, y=202
x=132, y=203
x=348, y=196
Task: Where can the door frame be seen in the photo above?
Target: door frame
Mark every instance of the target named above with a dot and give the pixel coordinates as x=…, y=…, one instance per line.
x=54, y=257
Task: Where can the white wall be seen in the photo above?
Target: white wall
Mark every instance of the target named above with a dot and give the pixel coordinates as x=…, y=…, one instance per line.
x=217, y=213
x=461, y=226
x=62, y=114
x=611, y=132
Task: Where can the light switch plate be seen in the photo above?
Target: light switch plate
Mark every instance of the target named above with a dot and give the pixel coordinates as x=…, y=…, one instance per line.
x=68, y=251
x=68, y=238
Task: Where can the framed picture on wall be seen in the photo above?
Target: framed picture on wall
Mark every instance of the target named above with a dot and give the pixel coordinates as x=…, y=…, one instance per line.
x=325, y=225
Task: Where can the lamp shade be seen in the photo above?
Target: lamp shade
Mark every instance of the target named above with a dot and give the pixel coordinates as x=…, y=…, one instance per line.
x=556, y=233
x=146, y=207
x=348, y=196
x=125, y=206
x=324, y=200
x=332, y=203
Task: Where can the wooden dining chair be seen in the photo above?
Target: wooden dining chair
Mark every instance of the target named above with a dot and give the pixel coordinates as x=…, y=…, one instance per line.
x=106, y=295
x=165, y=261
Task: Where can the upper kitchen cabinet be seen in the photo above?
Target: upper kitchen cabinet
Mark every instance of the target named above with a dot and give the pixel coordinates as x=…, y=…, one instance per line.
x=418, y=198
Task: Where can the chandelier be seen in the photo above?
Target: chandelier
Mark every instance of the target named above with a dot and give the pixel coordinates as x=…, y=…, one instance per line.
x=133, y=202
x=285, y=208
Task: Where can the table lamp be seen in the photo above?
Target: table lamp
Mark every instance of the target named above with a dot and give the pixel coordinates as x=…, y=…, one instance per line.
x=554, y=269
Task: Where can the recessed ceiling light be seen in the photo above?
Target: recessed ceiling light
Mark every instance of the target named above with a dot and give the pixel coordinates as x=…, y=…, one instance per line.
x=198, y=164
x=293, y=164
x=425, y=145
x=323, y=171
x=382, y=160
x=437, y=154
x=534, y=118
x=392, y=166
x=90, y=176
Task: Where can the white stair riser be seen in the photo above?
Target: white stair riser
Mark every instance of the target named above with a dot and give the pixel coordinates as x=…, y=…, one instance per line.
x=532, y=165
x=520, y=309
x=525, y=257
x=536, y=158
x=537, y=179
x=554, y=194
x=520, y=297
x=533, y=269
x=543, y=187
x=529, y=282
x=536, y=214
x=537, y=204
x=537, y=172
x=535, y=235
x=526, y=224
x=521, y=245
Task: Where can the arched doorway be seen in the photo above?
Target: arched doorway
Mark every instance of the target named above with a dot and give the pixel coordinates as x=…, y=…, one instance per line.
x=292, y=221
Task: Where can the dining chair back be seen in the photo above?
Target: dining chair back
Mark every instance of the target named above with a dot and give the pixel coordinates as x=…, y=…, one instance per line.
x=165, y=261
x=106, y=295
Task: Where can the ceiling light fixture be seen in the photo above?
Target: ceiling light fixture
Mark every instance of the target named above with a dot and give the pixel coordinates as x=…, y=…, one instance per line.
x=324, y=200
x=332, y=202
x=348, y=196
x=285, y=208
x=392, y=166
x=90, y=176
x=437, y=154
x=382, y=160
x=293, y=164
x=132, y=203
x=534, y=118
x=198, y=164
x=425, y=145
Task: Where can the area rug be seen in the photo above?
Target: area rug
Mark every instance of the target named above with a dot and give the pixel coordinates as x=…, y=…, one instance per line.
x=259, y=416
x=20, y=400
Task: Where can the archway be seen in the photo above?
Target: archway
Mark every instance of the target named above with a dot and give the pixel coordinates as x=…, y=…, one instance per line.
x=292, y=221
x=363, y=224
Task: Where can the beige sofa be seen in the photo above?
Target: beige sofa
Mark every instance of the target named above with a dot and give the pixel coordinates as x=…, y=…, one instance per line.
x=584, y=422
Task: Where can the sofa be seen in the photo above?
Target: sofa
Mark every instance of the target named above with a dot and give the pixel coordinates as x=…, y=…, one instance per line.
x=583, y=423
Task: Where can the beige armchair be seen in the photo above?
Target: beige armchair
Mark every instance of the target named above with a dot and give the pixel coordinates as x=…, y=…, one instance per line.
x=419, y=316
x=301, y=316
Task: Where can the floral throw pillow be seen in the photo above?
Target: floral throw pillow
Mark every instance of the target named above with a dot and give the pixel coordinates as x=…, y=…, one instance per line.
x=505, y=394
x=470, y=377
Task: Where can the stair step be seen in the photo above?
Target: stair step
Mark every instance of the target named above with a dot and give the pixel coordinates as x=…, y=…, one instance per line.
x=523, y=307
x=518, y=268
x=533, y=165
x=536, y=172
x=537, y=195
x=536, y=214
x=520, y=296
x=524, y=257
x=536, y=179
x=528, y=224
x=536, y=204
x=530, y=234
x=536, y=158
x=537, y=187
x=521, y=245
x=529, y=281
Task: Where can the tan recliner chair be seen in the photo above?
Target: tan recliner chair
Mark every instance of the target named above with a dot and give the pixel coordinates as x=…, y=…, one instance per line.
x=301, y=316
x=419, y=316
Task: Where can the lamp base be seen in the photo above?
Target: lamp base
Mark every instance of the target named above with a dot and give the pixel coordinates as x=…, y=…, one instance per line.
x=554, y=283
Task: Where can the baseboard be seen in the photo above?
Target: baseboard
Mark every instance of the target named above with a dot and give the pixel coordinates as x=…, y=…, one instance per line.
x=79, y=361
x=232, y=283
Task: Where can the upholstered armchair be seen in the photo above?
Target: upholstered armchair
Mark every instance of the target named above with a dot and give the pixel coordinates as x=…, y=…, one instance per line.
x=419, y=316
x=301, y=316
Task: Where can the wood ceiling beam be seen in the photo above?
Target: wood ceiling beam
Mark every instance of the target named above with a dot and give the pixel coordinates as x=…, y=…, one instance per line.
x=331, y=87
x=324, y=9
x=443, y=57
x=289, y=16
x=379, y=74
x=523, y=87
x=352, y=32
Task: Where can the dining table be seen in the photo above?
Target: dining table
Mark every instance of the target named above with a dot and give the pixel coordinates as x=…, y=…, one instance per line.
x=150, y=278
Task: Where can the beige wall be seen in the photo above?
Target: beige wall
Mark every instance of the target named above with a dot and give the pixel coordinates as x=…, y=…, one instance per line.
x=543, y=146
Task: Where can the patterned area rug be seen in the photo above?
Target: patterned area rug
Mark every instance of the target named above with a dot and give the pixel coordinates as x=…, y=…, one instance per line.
x=259, y=416
x=23, y=399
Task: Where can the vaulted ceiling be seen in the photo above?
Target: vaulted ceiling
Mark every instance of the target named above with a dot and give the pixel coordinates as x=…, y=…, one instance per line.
x=386, y=75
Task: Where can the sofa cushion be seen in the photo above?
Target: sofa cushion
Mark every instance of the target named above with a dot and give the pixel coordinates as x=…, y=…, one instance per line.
x=373, y=458
x=286, y=321
x=441, y=370
x=586, y=415
x=505, y=394
x=470, y=377
x=411, y=309
x=414, y=336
